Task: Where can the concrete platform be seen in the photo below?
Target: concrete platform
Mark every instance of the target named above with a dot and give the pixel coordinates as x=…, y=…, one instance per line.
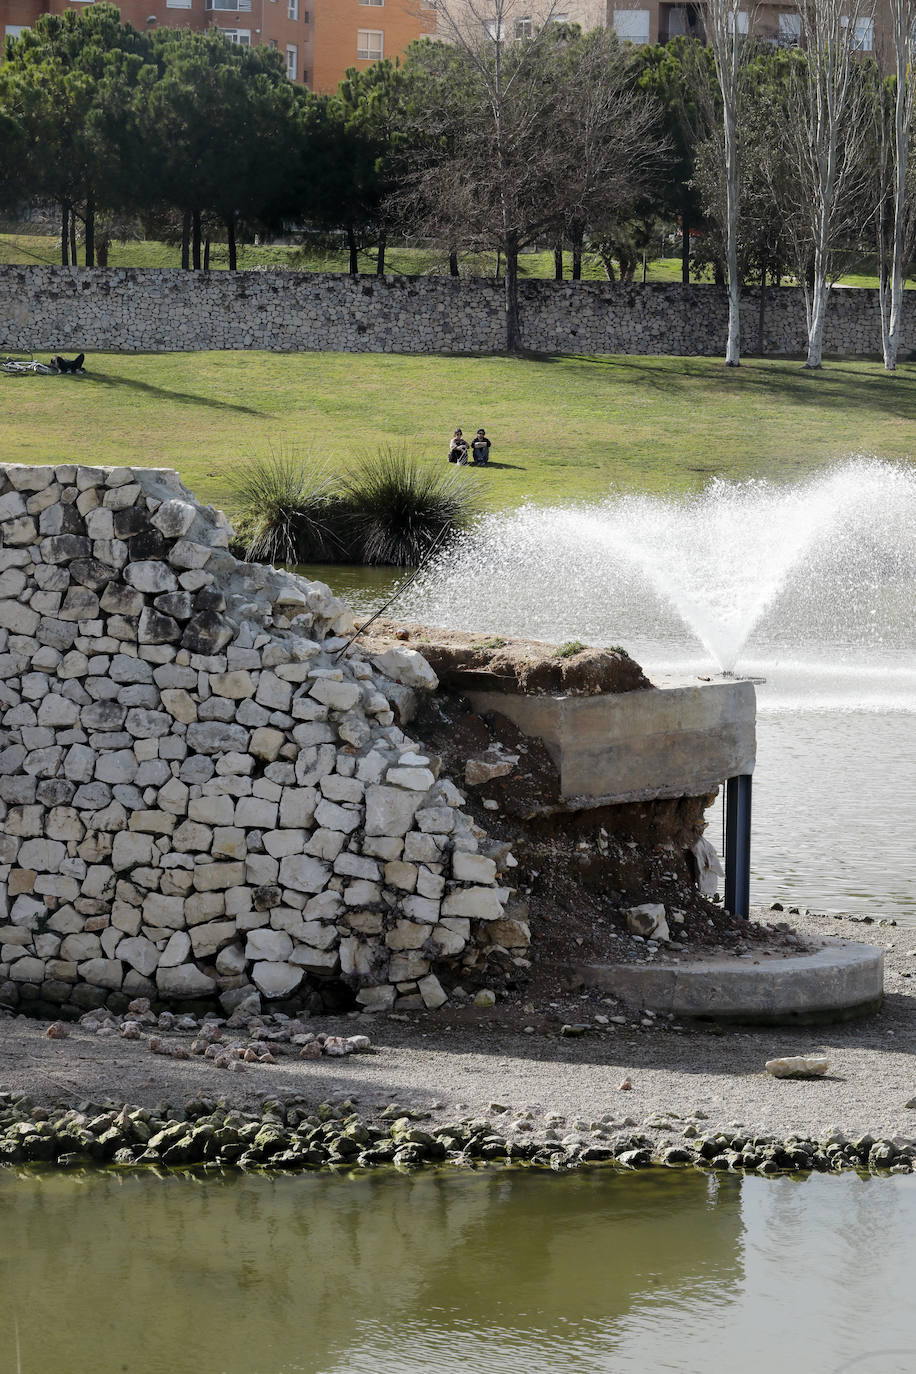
x=840, y=981
x=681, y=738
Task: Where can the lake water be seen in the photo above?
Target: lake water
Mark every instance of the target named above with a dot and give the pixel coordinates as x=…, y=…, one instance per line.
x=834, y=808
x=496, y=1272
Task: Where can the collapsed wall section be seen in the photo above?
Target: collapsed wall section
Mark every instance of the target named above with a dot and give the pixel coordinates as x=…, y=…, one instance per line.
x=203, y=794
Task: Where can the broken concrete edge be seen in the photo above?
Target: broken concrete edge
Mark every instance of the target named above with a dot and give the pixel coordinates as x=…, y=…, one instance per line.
x=839, y=982
x=672, y=741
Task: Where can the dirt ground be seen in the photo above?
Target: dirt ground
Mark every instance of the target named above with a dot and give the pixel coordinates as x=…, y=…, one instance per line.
x=473, y=1061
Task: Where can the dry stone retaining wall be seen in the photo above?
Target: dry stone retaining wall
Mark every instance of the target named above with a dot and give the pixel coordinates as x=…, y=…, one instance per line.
x=199, y=797
x=151, y=310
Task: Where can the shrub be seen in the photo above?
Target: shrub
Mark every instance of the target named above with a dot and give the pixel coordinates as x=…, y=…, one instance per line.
x=288, y=512
x=398, y=510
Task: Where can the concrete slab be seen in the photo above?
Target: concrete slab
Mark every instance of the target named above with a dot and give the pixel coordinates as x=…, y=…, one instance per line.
x=680, y=739
x=837, y=982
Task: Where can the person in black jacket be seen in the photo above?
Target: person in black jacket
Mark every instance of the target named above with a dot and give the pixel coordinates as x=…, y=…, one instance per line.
x=480, y=445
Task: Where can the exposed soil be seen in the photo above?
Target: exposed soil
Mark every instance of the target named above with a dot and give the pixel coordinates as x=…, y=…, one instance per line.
x=463, y=661
x=579, y=872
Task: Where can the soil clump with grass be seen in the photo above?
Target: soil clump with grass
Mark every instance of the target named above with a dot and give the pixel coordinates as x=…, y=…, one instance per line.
x=491, y=663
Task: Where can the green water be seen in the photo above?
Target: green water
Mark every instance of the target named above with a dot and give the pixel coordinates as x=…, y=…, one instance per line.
x=495, y=1272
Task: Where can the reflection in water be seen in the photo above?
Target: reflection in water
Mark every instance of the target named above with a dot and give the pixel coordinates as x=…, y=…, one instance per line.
x=494, y=1271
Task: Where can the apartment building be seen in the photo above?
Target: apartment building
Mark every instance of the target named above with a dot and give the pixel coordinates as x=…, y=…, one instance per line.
x=319, y=39
x=637, y=21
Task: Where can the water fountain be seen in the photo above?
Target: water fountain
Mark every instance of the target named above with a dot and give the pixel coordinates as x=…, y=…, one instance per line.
x=811, y=586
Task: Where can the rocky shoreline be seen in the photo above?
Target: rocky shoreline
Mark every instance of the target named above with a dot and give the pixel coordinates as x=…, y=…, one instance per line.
x=465, y=1087
x=293, y=1135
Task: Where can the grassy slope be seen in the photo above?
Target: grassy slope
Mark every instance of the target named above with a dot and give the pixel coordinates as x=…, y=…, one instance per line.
x=35, y=248
x=563, y=428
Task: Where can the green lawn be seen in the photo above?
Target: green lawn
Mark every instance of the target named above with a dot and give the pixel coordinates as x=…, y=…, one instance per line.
x=36, y=248
x=563, y=428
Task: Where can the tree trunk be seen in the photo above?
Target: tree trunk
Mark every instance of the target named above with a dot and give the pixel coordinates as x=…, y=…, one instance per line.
x=558, y=262
x=732, y=192
x=90, y=231
x=354, y=258
x=230, y=241
x=685, y=250
x=382, y=245
x=64, y=234
x=453, y=263
x=817, y=316
x=103, y=244
x=513, y=330
x=72, y=236
x=578, y=238
x=207, y=253
x=903, y=118
x=762, y=313
x=186, y=241
x=195, y=240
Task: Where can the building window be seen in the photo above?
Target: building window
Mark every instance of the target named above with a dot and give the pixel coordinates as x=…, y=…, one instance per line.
x=523, y=27
x=178, y=4
x=633, y=25
x=790, y=29
x=16, y=30
x=292, y=9
x=292, y=61
x=240, y=36
x=227, y=6
x=372, y=2
x=496, y=30
x=370, y=44
x=864, y=39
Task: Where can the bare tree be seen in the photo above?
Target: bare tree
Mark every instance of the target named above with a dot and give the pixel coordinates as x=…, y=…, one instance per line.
x=897, y=229
x=830, y=130
x=497, y=168
x=608, y=137
x=526, y=132
x=724, y=19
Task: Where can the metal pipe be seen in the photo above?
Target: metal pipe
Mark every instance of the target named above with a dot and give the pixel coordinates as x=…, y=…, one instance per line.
x=738, y=845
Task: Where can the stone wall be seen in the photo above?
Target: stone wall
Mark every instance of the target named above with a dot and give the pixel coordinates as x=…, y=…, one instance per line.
x=148, y=310
x=200, y=797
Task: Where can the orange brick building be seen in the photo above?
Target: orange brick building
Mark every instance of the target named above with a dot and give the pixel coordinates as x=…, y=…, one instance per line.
x=319, y=39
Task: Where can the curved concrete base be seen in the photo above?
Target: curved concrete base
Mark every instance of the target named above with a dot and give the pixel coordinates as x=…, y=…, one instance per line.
x=841, y=980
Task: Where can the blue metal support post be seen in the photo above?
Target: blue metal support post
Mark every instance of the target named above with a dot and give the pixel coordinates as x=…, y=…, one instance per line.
x=738, y=845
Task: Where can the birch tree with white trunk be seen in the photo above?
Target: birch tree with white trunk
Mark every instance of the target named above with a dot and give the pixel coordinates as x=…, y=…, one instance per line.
x=897, y=195
x=830, y=130
x=724, y=20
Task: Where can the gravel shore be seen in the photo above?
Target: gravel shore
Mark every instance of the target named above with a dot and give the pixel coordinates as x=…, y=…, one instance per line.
x=482, y=1062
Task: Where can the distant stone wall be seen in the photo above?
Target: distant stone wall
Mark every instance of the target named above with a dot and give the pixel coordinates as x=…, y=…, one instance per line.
x=199, y=796
x=46, y=309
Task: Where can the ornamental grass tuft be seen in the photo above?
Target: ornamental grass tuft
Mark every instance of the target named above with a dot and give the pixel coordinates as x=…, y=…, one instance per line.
x=288, y=511
x=400, y=509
